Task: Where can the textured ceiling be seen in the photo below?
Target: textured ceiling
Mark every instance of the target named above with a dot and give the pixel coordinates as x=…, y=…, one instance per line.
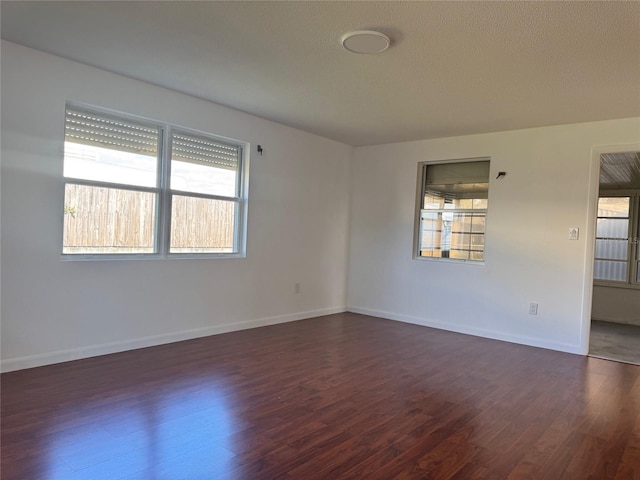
x=453, y=68
x=620, y=171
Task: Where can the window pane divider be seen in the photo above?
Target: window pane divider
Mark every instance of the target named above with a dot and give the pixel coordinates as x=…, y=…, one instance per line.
x=208, y=196
x=117, y=186
x=163, y=212
x=454, y=210
x=634, y=233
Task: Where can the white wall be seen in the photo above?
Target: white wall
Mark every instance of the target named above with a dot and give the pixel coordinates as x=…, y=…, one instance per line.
x=620, y=305
x=550, y=186
x=298, y=224
x=298, y=230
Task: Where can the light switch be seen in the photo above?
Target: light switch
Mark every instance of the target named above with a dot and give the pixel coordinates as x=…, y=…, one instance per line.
x=574, y=233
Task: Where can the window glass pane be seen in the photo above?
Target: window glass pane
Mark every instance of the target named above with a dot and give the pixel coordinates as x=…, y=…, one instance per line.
x=613, y=207
x=203, y=165
x=480, y=203
x=431, y=221
x=469, y=222
x=461, y=223
x=106, y=149
x=612, y=228
x=451, y=234
x=433, y=202
x=202, y=225
x=437, y=200
x=108, y=220
x=461, y=195
x=477, y=256
x=430, y=233
x=477, y=241
x=88, y=162
x=614, y=249
x=477, y=222
x=460, y=241
x=435, y=253
x=610, y=270
x=459, y=254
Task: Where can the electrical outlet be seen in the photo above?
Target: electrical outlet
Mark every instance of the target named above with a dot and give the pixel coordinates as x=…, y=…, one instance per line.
x=533, y=308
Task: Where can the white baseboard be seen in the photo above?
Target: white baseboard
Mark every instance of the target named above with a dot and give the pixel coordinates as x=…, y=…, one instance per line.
x=49, y=358
x=478, y=332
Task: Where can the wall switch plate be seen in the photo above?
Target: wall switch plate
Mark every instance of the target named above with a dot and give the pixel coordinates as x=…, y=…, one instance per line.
x=574, y=233
x=533, y=308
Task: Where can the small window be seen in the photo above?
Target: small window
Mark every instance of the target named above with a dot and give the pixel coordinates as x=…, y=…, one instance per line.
x=128, y=192
x=453, y=210
x=617, y=257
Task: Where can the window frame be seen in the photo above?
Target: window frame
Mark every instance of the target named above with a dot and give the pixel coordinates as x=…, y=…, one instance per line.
x=164, y=193
x=633, y=252
x=420, y=193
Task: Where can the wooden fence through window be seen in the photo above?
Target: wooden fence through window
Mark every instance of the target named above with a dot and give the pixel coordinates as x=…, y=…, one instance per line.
x=108, y=220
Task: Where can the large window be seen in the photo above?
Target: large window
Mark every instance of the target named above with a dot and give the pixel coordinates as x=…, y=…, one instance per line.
x=453, y=210
x=617, y=258
x=134, y=187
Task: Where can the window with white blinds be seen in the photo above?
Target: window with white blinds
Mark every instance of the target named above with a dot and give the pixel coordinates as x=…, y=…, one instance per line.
x=85, y=128
x=453, y=210
x=617, y=255
x=137, y=187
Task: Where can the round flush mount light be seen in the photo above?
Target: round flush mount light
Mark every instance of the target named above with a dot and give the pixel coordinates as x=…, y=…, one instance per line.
x=366, y=41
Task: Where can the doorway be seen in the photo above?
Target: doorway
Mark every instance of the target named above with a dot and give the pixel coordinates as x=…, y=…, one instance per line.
x=615, y=309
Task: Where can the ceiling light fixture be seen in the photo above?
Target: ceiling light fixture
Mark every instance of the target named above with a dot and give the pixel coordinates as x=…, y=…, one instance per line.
x=365, y=41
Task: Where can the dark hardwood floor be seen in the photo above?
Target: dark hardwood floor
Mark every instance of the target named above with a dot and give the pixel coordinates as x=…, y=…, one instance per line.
x=339, y=397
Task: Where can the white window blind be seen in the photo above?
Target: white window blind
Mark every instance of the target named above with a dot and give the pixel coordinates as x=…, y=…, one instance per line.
x=458, y=173
x=458, y=180
x=194, y=149
x=109, y=132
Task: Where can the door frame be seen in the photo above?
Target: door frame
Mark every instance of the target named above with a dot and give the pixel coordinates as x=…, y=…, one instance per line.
x=590, y=245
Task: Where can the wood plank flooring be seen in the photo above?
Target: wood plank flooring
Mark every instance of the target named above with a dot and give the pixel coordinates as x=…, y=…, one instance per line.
x=339, y=397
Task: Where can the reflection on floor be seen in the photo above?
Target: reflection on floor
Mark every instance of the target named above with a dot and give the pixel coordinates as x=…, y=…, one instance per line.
x=615, y=341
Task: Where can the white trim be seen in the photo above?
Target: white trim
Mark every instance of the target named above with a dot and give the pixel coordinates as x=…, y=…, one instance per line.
x=30, y=361
x=478, y=332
